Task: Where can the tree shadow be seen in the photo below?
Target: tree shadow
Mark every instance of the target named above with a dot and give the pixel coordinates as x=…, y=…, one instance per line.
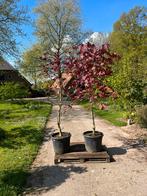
x=3, y=134
x=48, y=133
x=45, y=178
x=15, y=114
x=137, y=143
x=134, y=143
x=13, y=180
x=75, y=115
x=19, y=136
x=4, y=114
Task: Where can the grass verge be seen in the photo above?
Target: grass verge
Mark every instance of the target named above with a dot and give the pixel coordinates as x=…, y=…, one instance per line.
x=21, y=133
x=116, y=117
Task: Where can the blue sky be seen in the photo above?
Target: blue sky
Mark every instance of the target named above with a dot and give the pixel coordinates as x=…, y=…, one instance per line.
x=97, y=15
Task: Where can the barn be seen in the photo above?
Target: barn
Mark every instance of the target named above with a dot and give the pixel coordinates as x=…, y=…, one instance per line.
x=9, y=74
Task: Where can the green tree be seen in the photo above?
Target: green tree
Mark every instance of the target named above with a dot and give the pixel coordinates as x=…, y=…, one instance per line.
x=58, y=28
x=129, y=38
x=12, y=17
x=30, y=64
x=58, y=24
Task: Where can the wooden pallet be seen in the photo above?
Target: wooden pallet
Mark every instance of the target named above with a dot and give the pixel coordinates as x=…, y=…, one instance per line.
x=79, y=154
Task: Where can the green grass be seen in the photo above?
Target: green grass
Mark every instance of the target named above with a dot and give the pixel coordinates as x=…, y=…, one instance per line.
x=21, y=133
x=116, y=117
x=112, y=116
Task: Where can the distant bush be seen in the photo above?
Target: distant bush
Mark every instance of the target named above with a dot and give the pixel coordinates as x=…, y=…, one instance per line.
x=11, y=90
x=142, y=116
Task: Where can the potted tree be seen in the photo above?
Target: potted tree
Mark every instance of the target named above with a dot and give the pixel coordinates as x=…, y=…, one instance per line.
x=89, y=68
x=61, y=140
x=57, y=27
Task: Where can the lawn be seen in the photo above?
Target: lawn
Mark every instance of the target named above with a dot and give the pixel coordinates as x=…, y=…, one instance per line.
x=114, y=116
x=21, y=133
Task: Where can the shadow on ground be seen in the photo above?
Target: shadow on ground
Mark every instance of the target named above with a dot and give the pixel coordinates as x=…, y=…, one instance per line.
x=75, y=115
x=48, y=133
x=12, y=181
x=117, y=151
x=112, y=151
x=49, y=177
x=137, y=143
x=19, y=136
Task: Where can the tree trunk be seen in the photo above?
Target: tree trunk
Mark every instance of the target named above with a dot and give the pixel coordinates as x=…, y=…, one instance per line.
x=59, y=112
x=93, y=118
x=60, y=97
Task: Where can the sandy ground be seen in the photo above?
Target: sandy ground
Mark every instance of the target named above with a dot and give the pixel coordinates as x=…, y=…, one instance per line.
x=126, y=176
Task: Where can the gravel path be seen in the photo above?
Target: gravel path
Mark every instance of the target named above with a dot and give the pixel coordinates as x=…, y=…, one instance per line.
x=127, y=176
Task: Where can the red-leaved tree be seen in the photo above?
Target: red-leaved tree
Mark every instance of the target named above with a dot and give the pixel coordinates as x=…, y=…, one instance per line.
x=89, y=67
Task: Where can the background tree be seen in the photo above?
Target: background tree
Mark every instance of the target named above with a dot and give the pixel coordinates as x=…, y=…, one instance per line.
x=12, y=17
x=57, y=27
x=129, y=38
x=58, y=24
x=30, y=64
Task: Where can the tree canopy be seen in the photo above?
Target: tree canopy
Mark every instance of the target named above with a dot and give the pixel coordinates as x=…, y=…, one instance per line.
x=58, y=24
x=12, y=17
x=30, y=64
x=129, y=38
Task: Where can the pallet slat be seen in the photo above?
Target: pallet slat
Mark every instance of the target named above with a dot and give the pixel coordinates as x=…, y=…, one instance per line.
x=79, y=154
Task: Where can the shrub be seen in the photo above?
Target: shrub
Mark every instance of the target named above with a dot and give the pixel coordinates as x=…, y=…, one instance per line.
x=142, y=116
x=11, y=90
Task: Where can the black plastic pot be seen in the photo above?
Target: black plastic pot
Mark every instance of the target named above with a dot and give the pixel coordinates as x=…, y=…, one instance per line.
x=93, y=143
x=61, y=144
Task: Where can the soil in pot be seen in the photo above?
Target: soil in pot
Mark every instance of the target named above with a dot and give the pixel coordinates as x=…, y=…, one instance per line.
x=93, y=142
x=61, y=144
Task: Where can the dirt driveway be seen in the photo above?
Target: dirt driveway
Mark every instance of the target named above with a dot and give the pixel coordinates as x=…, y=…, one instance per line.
x=127, y=176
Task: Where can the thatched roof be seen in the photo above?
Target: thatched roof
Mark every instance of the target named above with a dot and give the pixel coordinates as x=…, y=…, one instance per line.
x=4, y=65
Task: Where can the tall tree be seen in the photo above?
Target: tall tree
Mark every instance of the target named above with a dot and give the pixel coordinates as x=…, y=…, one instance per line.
x=12, y=17
x=129, y=38
x=58, y=24
x=31, y=65
x=58, y=28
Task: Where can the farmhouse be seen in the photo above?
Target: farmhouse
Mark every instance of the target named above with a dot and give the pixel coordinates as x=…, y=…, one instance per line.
x=9, y=74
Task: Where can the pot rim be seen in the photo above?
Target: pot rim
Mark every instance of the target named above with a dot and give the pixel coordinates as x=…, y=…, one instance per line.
x=56, y=135
x=99, y=134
